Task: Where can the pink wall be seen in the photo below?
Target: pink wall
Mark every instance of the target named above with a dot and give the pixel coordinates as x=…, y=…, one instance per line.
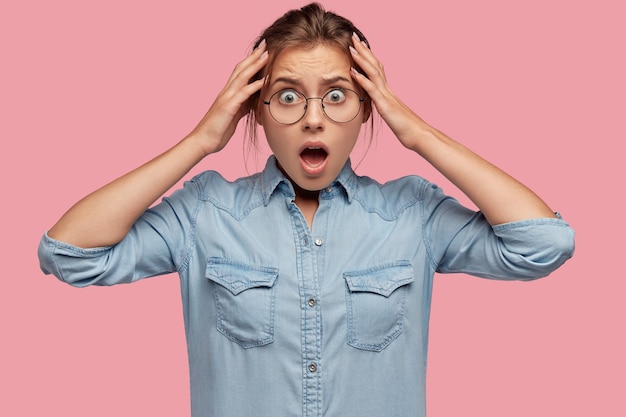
x=90, y=91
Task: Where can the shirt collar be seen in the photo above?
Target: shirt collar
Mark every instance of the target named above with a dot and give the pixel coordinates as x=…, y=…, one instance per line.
x=272, y=178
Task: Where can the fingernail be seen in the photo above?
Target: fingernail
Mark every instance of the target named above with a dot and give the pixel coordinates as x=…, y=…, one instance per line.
x=353, y=71
x=354, y=51
x=355, y=36
x=263, y=55
x=260, y=45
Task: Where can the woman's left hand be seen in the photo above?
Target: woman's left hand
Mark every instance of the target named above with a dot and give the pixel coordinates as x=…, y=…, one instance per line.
x=499, y=196
x=404, y=123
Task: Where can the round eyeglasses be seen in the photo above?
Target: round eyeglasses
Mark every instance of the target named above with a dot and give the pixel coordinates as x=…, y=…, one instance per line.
x=341, y=105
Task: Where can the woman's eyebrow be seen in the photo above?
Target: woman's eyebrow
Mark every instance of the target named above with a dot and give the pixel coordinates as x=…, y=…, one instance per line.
x=335, y=79
x=324, y=81
x=286, y=80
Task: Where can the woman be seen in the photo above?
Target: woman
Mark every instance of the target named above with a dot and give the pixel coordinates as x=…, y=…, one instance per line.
x=306, y=288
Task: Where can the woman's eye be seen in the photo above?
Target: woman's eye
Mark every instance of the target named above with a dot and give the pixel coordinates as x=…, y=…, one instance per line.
x=335, y=96
x=288, y=97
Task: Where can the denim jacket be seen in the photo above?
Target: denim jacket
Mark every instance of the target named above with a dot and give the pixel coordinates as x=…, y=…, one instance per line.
x=283, y=320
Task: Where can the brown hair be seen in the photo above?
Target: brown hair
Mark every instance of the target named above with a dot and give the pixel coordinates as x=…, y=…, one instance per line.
x=306, y=27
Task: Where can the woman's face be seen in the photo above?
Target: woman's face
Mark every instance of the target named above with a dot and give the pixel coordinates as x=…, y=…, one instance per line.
x=312, y=151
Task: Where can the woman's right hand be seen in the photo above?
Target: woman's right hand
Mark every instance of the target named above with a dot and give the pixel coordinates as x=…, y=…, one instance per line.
x=105, y=216
x=219, y=123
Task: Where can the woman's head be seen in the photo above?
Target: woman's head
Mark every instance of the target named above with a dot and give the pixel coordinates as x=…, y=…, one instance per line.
x=303, y=28
x=308, y=48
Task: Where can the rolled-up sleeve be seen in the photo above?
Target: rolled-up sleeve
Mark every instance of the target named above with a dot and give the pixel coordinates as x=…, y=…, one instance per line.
x=463, y=241
x=157, y=244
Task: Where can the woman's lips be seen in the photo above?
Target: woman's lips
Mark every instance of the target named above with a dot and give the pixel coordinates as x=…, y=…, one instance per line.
x=313, y=159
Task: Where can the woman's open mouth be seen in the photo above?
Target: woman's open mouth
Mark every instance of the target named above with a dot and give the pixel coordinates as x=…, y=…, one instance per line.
x=313, y=159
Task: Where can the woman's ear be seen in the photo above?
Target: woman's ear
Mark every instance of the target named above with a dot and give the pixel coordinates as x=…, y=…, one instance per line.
x=258, y=107
x=367, y=110
x=258, y=115
x=254, y=108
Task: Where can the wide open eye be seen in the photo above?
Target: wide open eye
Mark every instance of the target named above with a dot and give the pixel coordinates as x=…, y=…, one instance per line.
x=289, y=97
x=336, y=96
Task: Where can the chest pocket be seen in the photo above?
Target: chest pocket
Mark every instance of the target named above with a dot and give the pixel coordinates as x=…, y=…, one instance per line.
x=375, y=300
x=244, y=299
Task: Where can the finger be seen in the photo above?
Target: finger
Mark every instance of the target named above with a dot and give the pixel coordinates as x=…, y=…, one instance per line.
x=243, y=78
x=364, y=57
x=239, y=100
x=244, y=93
x=363, y=81
x=242, y=75
x=253, y=60
x=373, y=81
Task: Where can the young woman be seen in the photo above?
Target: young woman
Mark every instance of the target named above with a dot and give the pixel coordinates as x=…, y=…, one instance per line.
x=306, y=288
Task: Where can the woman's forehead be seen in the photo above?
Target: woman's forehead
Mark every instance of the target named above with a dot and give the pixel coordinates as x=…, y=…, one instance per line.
x=322, y=63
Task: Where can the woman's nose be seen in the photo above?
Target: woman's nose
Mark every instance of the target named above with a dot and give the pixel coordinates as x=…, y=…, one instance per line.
x=314, y=118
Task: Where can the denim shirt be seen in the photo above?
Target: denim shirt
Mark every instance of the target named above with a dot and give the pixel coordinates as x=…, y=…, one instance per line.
x=283, y=320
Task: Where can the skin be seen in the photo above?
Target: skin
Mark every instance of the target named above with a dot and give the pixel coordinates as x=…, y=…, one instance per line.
x=500, y=197
x=105, y=216
x=312, y=72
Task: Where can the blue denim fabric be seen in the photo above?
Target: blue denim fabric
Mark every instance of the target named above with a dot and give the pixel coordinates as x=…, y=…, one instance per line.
x=285, y=321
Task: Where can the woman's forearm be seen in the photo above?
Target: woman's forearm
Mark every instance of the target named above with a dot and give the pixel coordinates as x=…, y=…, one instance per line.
x=105, y=216
x=500, y=197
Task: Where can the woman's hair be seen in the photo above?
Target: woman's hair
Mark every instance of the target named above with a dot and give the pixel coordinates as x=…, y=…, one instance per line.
x=306, y=27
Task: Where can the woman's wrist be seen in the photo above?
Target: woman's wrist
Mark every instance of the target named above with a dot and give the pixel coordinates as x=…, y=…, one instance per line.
x=199, y=145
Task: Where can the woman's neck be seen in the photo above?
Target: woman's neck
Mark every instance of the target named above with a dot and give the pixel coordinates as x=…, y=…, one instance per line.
x=308, y=202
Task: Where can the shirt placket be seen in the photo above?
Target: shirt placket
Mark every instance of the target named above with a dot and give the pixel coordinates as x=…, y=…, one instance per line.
x=309, y=249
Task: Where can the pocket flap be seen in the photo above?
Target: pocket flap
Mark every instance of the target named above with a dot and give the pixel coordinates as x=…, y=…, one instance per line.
x=238, y=277
x=383, y=279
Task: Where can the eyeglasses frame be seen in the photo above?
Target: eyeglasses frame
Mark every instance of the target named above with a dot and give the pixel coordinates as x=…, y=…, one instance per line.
x=306, y=105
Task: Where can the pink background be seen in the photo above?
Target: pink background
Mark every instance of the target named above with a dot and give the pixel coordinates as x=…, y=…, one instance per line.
x=89, y=90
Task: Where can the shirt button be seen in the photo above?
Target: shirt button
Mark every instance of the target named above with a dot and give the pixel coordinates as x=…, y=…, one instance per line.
x=313, y=367
x=329, y=190
x=311, y=302
x=318, y=242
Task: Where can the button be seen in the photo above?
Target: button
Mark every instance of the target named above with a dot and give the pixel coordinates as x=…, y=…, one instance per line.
x=311, y=302
x=329, y=190
x=312, y=367
x=318, y=242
